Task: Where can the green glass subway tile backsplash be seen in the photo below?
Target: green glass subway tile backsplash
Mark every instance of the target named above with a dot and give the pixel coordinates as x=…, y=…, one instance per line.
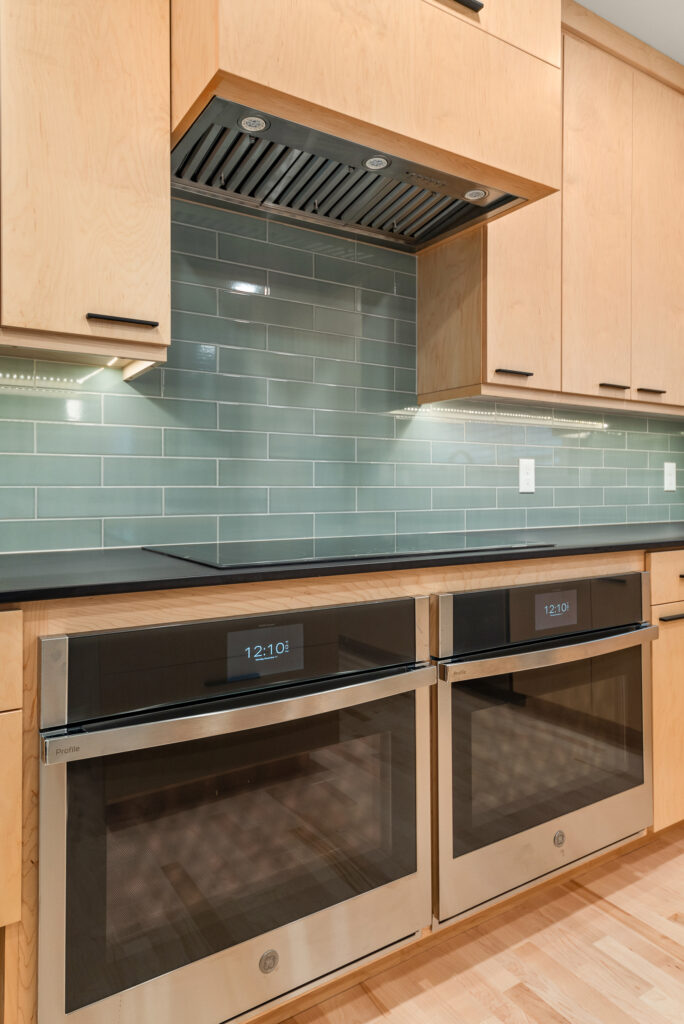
x=287, y=409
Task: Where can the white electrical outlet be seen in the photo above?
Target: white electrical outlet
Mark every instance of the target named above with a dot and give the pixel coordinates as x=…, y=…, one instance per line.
x=526, y=476
x=670, y=475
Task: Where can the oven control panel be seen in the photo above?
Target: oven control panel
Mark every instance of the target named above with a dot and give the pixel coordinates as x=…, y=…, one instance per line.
x=484, y=620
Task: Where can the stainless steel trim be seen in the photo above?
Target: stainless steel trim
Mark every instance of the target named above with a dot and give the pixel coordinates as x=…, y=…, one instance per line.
x=229, y=984
x=54, y=681
x=476, y=879
x=422, y=628
x=458, y=671
x=119, y=739
x=438, y=925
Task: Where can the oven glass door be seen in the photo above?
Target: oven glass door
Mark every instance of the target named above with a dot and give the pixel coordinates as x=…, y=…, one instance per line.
x=177, y=852
x=531, y=746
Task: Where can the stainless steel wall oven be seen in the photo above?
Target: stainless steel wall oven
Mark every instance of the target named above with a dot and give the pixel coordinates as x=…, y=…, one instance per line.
x=544, y=732
x=229, y=809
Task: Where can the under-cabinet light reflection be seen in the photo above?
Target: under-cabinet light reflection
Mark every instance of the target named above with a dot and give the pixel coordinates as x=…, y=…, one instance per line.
x=435, y=412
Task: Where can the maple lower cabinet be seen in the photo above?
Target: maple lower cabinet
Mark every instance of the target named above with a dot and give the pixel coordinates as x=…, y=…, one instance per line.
x=11, y=671
x=597, y=221
x=85, y=196
x=10, y=816
x=658, y=243
x=668, y=715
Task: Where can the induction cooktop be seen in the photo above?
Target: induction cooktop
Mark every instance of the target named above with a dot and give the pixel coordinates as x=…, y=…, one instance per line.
x=239, y=554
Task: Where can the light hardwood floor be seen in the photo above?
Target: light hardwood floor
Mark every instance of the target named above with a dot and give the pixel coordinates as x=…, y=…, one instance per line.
x=606, y=947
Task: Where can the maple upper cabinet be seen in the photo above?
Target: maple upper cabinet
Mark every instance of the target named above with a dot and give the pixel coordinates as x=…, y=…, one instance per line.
x=531, y=25
x=658, y=243
x=489, y=316
x=421, y=79
x=523, y=333
x=597, y=221
x=85, y=194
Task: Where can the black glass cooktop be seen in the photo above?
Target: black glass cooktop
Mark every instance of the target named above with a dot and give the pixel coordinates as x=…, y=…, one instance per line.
x=236, y=554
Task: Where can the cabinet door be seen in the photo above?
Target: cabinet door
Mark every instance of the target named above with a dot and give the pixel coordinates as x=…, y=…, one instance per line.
x=668, y=716
x=10, y=817
x=11, y=660
x=85, y=198
x=658, y=243
x=523, y=297
x=531, y=25
x=597, y=221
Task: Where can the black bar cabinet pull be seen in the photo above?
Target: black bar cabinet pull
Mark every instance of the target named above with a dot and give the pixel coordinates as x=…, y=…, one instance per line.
x=516, y=373
x=620, y=387
x=653, y=391
x=670, y=618
x=122, y=319
x=472, y=5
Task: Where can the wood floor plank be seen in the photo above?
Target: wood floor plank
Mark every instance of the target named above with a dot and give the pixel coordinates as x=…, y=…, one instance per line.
x=633, y=923
x=604, y=947
x=351, y=1007
x=535, y=1006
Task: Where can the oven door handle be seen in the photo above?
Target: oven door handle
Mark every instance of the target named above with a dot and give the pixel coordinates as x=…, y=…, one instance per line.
x=60, y=749
x=502, y=664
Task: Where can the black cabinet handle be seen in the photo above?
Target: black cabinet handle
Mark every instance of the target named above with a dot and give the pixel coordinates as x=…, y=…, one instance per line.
x=653, y=391
x=516, y=373
x=472, y=5
x=671, y=618
x=620, y=387
x=122, y=319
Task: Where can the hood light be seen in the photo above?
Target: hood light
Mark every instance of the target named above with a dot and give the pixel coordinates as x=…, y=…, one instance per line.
x=376, y=163
x=474, y=194
x=253, y=123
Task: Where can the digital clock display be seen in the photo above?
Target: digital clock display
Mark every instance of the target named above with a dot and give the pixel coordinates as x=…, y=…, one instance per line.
x=556, y=609
x=261, y=652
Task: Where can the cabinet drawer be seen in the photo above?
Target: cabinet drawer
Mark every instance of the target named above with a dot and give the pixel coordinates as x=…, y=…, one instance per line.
x=10, y=660
x=667, y=576
x=531, y=25
x=10, y=817
x=668, y=715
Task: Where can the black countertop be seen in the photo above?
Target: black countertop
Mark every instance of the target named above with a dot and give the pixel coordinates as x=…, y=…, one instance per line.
x=53, y=574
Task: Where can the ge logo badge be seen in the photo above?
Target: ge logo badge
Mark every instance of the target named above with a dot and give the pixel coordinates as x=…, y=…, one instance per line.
x=268, y=961
x=559, y=838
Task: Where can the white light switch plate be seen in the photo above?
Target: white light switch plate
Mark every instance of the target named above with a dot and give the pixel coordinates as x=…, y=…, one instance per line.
x=670, y=474
x=526, y=476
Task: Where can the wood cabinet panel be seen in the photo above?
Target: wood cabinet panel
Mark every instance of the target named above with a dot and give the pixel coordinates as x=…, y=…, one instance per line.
x=597, y=221
x=667, y=576
x=531, y=25
x=658, y=242
x=10, y=817
x=451, y=289
x=194, y=32
x=85, y=198
x=668, y=717
x=489, y=301
x=11, y=660
x=524, y=296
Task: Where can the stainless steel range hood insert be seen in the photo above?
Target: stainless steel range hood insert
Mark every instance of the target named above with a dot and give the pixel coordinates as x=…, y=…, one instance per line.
x=276, y=167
